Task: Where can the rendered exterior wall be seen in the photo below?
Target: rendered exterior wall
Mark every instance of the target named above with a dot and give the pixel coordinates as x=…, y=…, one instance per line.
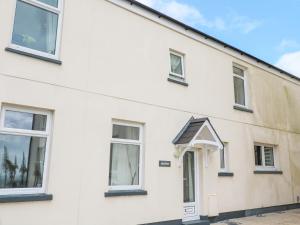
x=116, y=65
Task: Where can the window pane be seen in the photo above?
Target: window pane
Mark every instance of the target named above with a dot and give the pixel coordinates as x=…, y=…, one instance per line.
x=35, y=28
x=188, y=177
x=124, y=164
x=222, y=158
x=125, y=132
x=50, y=2
x=258, y=155
x=238, y=71
x=176, y=64
x=24, y=120
x=269, y=156
x=21, y=161
x=239, y=91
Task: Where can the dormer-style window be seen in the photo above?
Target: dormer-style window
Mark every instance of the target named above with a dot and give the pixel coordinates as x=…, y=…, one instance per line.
x=36, y=27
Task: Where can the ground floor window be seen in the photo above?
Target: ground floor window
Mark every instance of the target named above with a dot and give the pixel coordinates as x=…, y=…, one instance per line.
x=126, y=156
x=224, y=159
x=264, y=156
x=24, y=137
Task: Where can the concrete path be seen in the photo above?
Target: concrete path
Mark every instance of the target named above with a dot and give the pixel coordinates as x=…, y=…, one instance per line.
x=290, y=217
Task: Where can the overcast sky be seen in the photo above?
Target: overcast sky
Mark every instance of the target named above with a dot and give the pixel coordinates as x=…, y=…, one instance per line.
x=267, y=29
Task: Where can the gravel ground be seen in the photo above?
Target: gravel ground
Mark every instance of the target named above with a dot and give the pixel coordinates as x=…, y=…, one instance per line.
x=290, y=217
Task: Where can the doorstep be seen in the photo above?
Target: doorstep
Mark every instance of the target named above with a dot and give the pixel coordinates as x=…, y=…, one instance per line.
x=197, y=222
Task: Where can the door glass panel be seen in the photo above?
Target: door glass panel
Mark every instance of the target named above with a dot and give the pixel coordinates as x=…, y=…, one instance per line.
x=189, y=177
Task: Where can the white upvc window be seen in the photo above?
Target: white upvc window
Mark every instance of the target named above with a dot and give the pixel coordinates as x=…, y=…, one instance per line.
x=126, y=156
x=177, y=65
x=265, y=157
x=37, y=27
x=240, y=86
x=224, y=158
x=24, y=150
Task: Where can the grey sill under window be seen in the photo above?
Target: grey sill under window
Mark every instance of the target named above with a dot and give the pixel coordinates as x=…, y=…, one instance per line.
x=125, y=193
x=225, y=174
x=242, y=109
x=58, y=62
x=267, y=172
x=25, y=198
x=176, y=80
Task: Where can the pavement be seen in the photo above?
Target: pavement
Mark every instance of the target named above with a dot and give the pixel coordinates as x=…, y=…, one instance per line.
x=290, y=217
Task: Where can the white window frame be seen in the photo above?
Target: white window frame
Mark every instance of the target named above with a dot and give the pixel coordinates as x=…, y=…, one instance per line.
x=245, y=79
x=23, y=132
x=226, y=158
x=141, y=155
x=58, y=11
x=182, y=57
x=264, y=167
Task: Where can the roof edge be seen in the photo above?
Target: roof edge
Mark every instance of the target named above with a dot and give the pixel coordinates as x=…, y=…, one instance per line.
x=206, y=36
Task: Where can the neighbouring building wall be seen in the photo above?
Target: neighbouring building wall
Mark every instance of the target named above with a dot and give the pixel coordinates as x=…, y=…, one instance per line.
x=115, y=65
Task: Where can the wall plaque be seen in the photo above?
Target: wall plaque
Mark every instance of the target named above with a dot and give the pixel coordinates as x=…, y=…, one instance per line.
x=163, y=163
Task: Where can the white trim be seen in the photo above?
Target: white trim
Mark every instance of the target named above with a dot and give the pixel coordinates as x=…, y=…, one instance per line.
x=182, y=58
x=275, y=158
x=226, y=158
x=58, y=11
x=216, y=143
x=246, y=88
x=22, y=132
x=196, y=204
x=141, y=154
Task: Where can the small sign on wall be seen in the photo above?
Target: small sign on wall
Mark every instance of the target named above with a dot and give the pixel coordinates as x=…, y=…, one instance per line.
x=163, y=163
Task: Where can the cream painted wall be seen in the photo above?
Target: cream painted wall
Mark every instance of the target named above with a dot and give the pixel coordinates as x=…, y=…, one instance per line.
x=115, y=65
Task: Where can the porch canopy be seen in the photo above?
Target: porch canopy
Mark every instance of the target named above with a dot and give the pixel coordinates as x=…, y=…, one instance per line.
x=197, y=134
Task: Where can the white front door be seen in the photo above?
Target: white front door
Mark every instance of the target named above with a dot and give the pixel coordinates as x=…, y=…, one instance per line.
x=190, y=186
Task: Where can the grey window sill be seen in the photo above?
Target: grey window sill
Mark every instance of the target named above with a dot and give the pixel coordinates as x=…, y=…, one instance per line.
x=267, y=172
x=242, y=109
x=225, y=174
x=125, y=193
x=33, y=56
x=176, y=81
x=25, y=198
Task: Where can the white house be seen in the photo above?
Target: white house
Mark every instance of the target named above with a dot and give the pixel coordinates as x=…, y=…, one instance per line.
x=115, y=114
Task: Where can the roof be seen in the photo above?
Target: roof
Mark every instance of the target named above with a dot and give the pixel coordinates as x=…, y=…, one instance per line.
x=190, y=129
x=206, y=36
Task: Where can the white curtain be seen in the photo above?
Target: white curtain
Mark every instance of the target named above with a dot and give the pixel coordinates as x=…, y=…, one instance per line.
x=124, y=164
x=176, y=64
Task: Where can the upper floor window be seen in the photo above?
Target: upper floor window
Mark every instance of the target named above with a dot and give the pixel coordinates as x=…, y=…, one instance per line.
x=264, y=156
x=37, y=27
x=176, y=65
x=24, y=143
x=239, y=78
x=126, y=156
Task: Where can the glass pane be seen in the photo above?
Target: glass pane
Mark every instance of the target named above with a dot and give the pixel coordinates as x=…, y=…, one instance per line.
x=21, y=161
x=188, y=177
x=126, y=132
x=222, y=159
x=258, y=155
x=35, y=28
x=269, y=156
x=238, y=71
x=239, y=91
x=50, y=2
x=176, y=64
x=124, y=164
x=24, y=120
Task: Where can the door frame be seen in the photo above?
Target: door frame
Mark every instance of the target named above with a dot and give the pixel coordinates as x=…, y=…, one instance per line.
x=196, y=204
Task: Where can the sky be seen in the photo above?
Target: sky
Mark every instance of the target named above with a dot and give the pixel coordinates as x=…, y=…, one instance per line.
x=267, y=29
